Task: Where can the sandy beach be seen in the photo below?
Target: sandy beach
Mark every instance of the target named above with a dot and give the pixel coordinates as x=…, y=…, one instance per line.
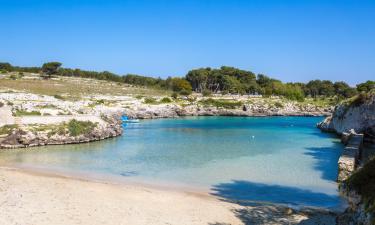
x=34, y=198
x=29, y=198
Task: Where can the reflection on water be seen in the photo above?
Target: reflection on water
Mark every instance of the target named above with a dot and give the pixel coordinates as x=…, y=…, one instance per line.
x=208, y=152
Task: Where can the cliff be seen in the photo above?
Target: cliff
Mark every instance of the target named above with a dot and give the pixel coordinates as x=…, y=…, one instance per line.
x=354, y=120
x=357, y=113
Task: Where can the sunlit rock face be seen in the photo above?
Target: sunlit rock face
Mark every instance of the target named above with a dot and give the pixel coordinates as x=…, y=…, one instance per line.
x=360, y=117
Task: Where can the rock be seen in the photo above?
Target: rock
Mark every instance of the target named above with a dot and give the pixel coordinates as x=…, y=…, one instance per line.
x=360, y=118
x=111, y=128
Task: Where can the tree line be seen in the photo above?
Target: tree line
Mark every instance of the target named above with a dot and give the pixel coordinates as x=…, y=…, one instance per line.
x=210, y=80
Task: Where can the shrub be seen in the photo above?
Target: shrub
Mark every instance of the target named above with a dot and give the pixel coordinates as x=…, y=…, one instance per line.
x=26, y=113
x=185, y=92
x=206, y=93
x=101, y=101
x=13, y=77
x=174, y=95
x=279, y=105
x=360, y=99
x=76, y=127
x=7, y=129
x=165, y=100
x=59, y=97
x=221, y=103
x=1, y=104
x=363, y=182
x=150, y=100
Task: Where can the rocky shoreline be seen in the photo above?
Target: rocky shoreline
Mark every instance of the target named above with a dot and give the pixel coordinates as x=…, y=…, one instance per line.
x=354, y=121
x=245, y=110
x=59, y=134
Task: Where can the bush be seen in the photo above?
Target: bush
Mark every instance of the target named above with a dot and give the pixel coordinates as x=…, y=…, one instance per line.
x=174, y=95
x=279, y=105
x=185, y=92
x=59, y=97
x=221, y=103
x=7, y=129
x=1, y=104
x=76, y=127
x=206, y=93
x=101, y=101
x=150, y=100
x=165, y=100
x=13, y=77
x=26, y=113
x=360, y=99
x=363, y=182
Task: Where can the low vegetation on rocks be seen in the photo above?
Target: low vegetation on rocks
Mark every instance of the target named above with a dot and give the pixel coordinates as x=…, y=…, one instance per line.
x=26, y=113
x=7, y=129
x=221, y=103
x=77, y=128
x=363, y=182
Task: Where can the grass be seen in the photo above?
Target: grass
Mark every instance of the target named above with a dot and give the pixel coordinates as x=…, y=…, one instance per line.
x=77, y=128
x=26, y=113
x=221, y=103
x=363, y=182
x=165, y=100
x=75, y=88
x=279, y=105
x=7, y=129
x=150, y=100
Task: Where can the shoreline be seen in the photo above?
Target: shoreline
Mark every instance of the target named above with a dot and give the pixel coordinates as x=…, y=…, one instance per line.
x=69, y=200
x=123, y=204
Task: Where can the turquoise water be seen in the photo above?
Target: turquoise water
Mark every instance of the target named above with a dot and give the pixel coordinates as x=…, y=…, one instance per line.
x=271, y=159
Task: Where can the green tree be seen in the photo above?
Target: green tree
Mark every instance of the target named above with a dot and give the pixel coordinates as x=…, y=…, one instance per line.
x=51, y=68
x=180, y=85
x=6, y=66
x=343, y=90
x=366, y=87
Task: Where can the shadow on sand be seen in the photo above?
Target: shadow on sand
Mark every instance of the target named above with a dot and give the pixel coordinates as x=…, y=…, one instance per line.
x=271, y=204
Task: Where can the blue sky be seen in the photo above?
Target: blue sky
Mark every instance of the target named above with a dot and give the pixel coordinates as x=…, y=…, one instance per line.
x=290, y=40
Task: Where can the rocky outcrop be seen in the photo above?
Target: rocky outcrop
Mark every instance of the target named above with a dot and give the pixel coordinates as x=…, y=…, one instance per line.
x=354, y=120
x=25, y=137
x=350, y=157
x=352, y=115
x=173, y=110
x=356, y=213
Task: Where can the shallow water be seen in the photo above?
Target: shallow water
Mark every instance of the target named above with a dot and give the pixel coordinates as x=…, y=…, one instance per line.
x=268, y=159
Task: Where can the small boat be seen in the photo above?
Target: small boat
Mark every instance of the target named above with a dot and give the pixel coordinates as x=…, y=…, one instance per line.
x=131, y=121
x=125, y=119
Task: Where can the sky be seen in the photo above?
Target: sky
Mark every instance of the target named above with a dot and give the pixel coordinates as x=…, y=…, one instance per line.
x=291, y=40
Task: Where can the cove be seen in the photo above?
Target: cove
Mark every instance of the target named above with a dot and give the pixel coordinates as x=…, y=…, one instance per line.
x=248, y=160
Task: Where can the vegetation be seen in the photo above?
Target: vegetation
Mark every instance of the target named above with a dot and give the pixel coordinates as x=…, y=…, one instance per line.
x=366, y=87
x=221, y=103
x=77, y=128
x=165, y=100
x=150, y=100
x=363, y=181
x=7, y=129
x=360, y=99
x=51, y=68
x=207, y=80
x=26, y=113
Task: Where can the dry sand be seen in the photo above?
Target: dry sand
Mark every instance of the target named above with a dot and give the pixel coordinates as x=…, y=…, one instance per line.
x=34, y=198
x=30, y=198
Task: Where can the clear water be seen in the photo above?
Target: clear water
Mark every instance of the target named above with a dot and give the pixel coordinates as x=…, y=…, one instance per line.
x=271, y=159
